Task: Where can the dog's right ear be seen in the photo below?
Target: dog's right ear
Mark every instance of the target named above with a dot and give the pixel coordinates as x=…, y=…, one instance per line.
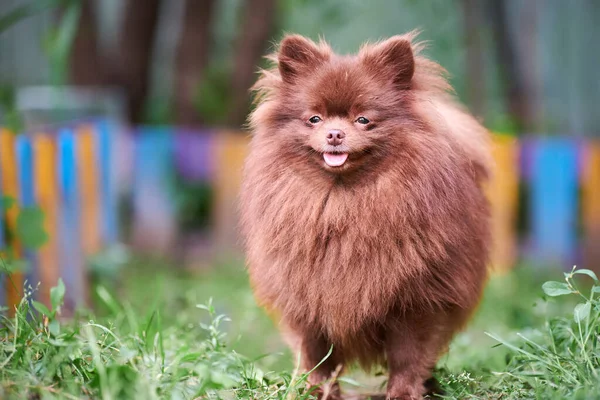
x=298, y=55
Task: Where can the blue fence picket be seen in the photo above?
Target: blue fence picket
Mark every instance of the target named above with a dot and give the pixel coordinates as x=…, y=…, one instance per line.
x=71, y=264
x=24, y=152
x=154, y=153
x=553, y=200
x=107, y=185
x=153, y=194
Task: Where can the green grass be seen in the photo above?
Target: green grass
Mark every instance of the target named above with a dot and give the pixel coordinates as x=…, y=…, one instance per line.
x=165, y=339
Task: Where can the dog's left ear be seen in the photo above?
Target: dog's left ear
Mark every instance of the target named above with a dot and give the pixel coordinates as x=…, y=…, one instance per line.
x=393, y=58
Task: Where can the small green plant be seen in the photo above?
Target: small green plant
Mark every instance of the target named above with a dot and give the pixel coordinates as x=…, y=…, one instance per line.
x=127, y=357
x=29, y=231
x=562, y=359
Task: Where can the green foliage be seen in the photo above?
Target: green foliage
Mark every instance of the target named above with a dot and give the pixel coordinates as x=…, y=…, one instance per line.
x=30, y=227
x=11, y=118
x=556, y=288
x=6, y=202
x=29, y=232
x=194, y=203
x=30, y=224
x=504, y=124
x=128, y=357
x=57, y=46
x=561, y=358
x=59, y=41
x=477, y=367
x=168, y=343
x=26, y=10
x=213, y=98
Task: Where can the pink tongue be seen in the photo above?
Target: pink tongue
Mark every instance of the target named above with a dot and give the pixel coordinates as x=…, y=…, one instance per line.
x=335, y=159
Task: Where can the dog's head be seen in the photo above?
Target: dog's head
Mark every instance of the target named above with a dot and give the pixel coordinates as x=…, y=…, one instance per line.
x=337, y=112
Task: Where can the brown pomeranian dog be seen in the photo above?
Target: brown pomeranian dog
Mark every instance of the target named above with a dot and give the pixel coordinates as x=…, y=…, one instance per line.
x=363, y=208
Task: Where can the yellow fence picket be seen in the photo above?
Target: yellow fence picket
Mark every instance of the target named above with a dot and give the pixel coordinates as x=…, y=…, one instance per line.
x=87, y=166
x=47, y=199
x=591, y=205
x=10, y=185
x=503, y=194
x=231, y=152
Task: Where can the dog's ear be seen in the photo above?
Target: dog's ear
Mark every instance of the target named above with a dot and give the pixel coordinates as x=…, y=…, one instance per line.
x=298, y=55
x=392, y=58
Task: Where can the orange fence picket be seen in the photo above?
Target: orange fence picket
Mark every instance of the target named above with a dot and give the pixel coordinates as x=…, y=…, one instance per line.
x=10, y=185
x=47, y=200
x=503, y=195
x=231, y=152
x=591, y=205
x=88, y=174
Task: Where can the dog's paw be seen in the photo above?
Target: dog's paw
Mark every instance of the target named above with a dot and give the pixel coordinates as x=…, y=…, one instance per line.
x=327, y=391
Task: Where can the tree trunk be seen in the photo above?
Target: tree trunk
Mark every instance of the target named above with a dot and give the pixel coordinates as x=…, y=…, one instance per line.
x=512, y=77
x=191, y=59
x=259, y=17
x=473, y=23
x=133, y=62
x=86, y=64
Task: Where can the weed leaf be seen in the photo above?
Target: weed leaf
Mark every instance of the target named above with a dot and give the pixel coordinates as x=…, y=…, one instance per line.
x=553, y=288
x=582, y=311
x=57, y=294
x=40, y=307
x=6, y=202
x=587, y=272
x=30, y=228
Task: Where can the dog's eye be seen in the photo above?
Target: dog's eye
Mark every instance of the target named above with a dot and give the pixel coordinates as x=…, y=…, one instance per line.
x=362, y=120
x=315, y=119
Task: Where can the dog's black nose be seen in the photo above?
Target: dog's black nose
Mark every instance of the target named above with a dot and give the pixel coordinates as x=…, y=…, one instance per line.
x=335, y=137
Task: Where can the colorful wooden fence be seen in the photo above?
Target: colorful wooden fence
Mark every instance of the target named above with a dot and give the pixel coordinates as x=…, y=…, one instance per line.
x=215, y=158
x=556, y=182
x=553, y=183
x=71, y=175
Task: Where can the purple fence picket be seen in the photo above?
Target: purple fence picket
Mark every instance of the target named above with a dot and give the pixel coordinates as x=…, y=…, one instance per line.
x=195, y=155
x=527, y=146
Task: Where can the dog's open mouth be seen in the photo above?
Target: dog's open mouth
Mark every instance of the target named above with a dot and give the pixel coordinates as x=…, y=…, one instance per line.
x=335, y=159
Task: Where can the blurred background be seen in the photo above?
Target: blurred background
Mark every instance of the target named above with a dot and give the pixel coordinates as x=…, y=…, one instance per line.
x=516, y=63
x=123, y=122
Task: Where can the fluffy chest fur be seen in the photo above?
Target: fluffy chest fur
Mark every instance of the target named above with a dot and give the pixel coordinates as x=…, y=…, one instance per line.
x=340, y=256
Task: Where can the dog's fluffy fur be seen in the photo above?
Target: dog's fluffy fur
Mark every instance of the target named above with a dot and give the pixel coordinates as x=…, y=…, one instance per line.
x=385, y=256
